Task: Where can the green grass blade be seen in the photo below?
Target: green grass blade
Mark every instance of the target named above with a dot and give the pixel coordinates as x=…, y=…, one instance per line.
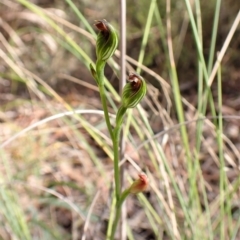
x=81, y=17
x=214, y=36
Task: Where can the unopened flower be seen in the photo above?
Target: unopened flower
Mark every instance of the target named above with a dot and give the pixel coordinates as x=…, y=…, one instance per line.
x=107, y=40
x=140, y=184
x=133, y=91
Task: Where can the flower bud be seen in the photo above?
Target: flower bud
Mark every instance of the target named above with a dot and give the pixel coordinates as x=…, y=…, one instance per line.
x=140, y=184
x=107, y=40
x=133, y=91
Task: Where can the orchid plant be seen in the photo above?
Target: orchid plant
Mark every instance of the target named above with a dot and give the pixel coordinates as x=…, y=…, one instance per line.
x=132, y=94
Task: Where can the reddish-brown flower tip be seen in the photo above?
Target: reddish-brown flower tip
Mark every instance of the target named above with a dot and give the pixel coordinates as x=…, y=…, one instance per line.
x=135, y=80
x=107, y=40
x=140, y=184
x=102, y=25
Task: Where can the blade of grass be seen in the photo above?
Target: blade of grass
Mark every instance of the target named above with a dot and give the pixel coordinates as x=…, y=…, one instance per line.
x=198, y=171
x=222, y=183
x=51, y=118
x=180, y=113
x=10, y=205
x=236, y=230
x=214, y=35
x=111, y=217
x=224, y=49
x=49, y=231
x=123, y=46
x=69, y=41
x=207, y=214
x=166, y=165
x=207, y=92
x=13, y=214
x=146, y=33
x=200, y=77
x=81, y=17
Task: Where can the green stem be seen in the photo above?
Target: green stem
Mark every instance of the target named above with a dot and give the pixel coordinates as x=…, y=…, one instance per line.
x=115, y=223
x=119, y=197
x=116, y=135
x=100, y=74
x=120, y=114
x=116, y=138
x=118, y=211
x=111, y=217
x=123, y=197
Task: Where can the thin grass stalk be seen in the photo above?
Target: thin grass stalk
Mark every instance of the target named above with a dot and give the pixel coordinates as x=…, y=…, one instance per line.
x=221, y=159
x=210, y=233
x=200, y=76
x=123, y=46
x=206, y=95
x=87, y=146
x=182, y=199
x=200, y=96
x=84, y=123
x=68, y=40
x=178, y=103
x=38, y=11
x=137, y=126
x=156, y=155
x=9, y=205
x=41, y=13
x=140, y=60
x=81, y=17
x=129, y=233
x=198, y=172
x=235, y=230
x=146, y=204
x=100, y=73
x=48, y=119
x=207, y=92
x=214, y=35
x=153, y=224
x=153, y=215
x=175, y=83
x=146, y=33
x=224, y=48
x=166, y=165
x=161, y=30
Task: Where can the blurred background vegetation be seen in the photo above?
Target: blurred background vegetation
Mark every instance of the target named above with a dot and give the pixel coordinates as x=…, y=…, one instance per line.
x=56, y=178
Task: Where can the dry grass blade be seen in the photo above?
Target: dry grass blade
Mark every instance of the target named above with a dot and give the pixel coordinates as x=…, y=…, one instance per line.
x=39, y=123
x=87, y=222
x=224, y=48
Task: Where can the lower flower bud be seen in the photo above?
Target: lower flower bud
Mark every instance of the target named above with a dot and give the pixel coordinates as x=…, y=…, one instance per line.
x=140, y=184
x=133, y=91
